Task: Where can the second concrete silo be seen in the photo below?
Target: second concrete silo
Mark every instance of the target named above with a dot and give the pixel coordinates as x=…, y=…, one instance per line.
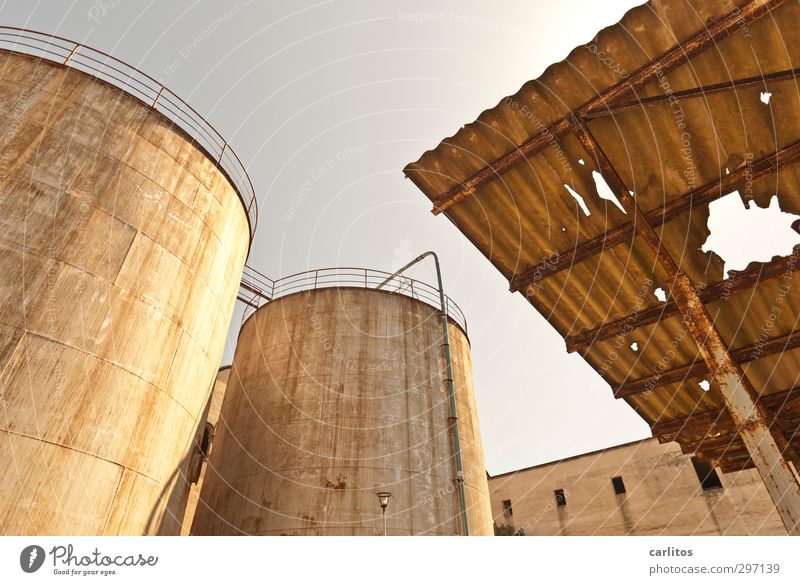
x=336, y=394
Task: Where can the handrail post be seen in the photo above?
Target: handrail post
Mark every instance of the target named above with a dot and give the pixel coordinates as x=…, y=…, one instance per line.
x=316, y=277
x=221, y=152
x=158, y=95
x=71, y=53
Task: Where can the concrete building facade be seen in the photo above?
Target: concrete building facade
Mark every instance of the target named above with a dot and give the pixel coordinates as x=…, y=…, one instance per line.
x=336, y=394
x=121, y=249
x=640, y=488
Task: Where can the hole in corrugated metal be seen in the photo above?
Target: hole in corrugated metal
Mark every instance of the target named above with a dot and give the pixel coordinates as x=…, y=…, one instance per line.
x=660, y=294
x=635, y=346
x=604, y=191
x=769, y=232
x=705, y=385
x=765, y=95
x=579, y=199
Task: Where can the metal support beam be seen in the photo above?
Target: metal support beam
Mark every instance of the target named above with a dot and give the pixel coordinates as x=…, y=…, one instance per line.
x=759, y=80
x=712, y=444
x=724, y=443
x=766, y=446
x=731, y=467
x=733, y=459
x=682, y=52
x=738, y=282
x=711, y=422
x=712, y=191
x=697, y=369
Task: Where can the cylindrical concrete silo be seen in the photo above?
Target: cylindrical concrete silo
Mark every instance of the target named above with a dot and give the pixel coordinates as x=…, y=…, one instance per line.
x=121, y=248
x=336, y=394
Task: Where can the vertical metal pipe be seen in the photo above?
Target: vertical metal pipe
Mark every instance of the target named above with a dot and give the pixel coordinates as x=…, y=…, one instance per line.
x=459, y=479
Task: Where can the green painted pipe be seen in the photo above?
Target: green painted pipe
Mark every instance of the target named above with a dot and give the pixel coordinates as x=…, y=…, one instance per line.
x=450, y=386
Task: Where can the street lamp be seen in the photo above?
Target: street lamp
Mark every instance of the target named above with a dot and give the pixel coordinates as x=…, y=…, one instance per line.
x=383, y=498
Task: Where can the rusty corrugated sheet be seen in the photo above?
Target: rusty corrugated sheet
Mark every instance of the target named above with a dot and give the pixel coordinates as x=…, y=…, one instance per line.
x=524, y=219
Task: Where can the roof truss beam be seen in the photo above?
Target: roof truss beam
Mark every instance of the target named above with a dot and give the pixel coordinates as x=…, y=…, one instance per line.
x=758, y=169
x=680, y=53
x=760, y=80
x=696, y=369
x=718, y=420
x=738, y=282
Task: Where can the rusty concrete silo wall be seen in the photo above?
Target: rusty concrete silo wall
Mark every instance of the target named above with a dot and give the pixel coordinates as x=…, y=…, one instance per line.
x=121, y=249
x=336, y=394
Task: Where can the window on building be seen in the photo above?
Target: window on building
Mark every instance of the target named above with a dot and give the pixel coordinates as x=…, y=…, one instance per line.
x=561, y=499
x=707, y=475
x=507, y=511
x=619, y=485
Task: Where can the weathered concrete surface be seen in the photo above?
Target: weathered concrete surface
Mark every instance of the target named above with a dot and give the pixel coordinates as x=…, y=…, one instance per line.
x=198, y=461
x=334, y=395
x=121, y=248
x=663, y=496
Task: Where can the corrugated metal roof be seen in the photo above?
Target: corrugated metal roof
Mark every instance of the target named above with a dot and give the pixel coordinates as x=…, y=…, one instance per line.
x=503, y=181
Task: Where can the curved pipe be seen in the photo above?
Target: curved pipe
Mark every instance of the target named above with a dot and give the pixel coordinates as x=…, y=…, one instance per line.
x=450, y=387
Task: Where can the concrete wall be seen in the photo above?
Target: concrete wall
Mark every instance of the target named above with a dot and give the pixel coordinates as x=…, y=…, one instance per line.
x=663, y=496
x=121, y=248
x=334, y=395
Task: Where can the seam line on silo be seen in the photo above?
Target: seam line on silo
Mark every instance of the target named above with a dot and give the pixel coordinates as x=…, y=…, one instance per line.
x=14, y=352
x=67, y=447
x=108, y=361
x=113, y=501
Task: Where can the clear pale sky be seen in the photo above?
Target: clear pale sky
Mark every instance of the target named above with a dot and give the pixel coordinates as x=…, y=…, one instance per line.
x=325, y=102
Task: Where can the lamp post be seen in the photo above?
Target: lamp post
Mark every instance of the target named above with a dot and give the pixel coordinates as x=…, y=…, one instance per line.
x=383, y=498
